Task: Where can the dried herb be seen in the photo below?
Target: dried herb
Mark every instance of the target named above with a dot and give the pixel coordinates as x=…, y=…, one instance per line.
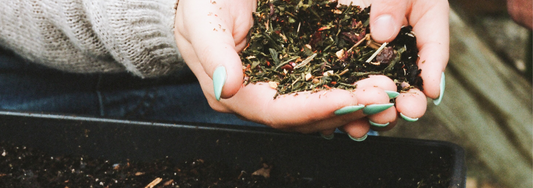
x=305, y=45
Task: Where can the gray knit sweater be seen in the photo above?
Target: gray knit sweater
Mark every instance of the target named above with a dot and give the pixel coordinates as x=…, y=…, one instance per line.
x=88, y=36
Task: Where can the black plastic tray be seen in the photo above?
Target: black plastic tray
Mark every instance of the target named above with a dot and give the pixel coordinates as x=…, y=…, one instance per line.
x=384, y=161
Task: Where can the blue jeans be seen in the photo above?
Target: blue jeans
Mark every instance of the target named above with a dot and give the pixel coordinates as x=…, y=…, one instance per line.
x=29, y=87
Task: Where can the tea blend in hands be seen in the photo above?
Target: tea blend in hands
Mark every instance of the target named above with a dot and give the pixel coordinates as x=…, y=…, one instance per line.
x=305, y=45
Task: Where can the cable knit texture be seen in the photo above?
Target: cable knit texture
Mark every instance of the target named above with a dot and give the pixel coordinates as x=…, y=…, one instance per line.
x=88, y=36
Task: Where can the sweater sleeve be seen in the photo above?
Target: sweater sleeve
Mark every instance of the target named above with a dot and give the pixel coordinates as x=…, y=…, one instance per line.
x=88, y=36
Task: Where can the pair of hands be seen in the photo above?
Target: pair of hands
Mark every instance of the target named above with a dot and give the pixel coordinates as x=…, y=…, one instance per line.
x=210, y=34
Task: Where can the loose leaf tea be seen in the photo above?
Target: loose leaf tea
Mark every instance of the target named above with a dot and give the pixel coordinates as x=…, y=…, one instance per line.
x=305, y=45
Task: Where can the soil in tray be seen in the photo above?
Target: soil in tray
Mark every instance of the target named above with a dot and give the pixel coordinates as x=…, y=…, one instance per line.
x=22, y=167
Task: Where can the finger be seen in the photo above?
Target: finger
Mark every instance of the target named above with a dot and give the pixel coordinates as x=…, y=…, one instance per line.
x=390, y=126
x=411, y=104
x=430, y=24
x=386, y=19
x=328, y=134
x=357, y=130
x=379, y=81
x=331, y=123
x=289, y=112
x=383, y=119
x=372, y=93
x=205, y=81
x=211, y=33
x=325, y=127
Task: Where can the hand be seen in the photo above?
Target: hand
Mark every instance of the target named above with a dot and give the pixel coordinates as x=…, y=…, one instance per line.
x=430, y=24
x=209, y=35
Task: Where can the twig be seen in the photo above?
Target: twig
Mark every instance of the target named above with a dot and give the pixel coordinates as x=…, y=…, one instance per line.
x=377, y=52
x=154, y=183
x=367, y=36
x=306, y=61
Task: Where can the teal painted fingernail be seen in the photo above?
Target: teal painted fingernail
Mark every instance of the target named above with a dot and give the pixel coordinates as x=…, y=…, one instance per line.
x=442, y=87
x=392, y=94
x=378, y=124
x=327, y=137
x=363, y=138
x=408, y=118
x=219, y=78
x=376, y=108
x=348, y=109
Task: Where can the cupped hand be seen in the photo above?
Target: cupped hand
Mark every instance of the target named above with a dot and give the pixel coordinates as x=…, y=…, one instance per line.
x=210, y=34
x=429, y=20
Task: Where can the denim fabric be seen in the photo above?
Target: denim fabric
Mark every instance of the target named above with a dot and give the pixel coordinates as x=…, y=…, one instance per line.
x=28, y=87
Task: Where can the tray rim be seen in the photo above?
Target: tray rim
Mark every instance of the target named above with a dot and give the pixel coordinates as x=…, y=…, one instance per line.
x=459, y=163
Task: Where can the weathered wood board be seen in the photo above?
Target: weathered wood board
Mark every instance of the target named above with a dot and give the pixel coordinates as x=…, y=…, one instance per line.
x=488, y=105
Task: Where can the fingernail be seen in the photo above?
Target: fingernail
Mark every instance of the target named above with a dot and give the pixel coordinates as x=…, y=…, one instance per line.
x=327, y=137
x=384, y=27
x=348, y=109
x=392, y=94
x=376, y=108
x=408, y=118
x=363, y=138
x=219, y=78
x=378, y=124
x=442, y=87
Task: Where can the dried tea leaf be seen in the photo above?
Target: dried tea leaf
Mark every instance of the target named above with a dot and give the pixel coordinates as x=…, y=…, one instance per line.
x=320, y=45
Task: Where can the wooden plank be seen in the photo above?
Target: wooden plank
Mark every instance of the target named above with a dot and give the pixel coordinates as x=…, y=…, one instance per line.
x=489, y=105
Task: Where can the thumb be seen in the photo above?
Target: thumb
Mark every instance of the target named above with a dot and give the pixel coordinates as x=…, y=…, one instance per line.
x=386, y=19
x=210, y=35
x=222, y=63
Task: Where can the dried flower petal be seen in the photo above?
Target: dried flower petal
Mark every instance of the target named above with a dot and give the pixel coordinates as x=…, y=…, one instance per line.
x=340, y=54
x=386, y=55
x=308, y=76
x=273, y=85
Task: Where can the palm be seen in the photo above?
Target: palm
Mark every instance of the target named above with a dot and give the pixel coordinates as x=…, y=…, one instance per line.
x=209, y=35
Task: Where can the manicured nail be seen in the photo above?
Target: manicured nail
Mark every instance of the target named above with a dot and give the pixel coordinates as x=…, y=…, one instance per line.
x=442, y=87
x=363, y=138
x=327, y=137
x=219, y=78
x=408, y=118
x=376, y=108
x=378, y=124
x=348, y=109
x=392, y=94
